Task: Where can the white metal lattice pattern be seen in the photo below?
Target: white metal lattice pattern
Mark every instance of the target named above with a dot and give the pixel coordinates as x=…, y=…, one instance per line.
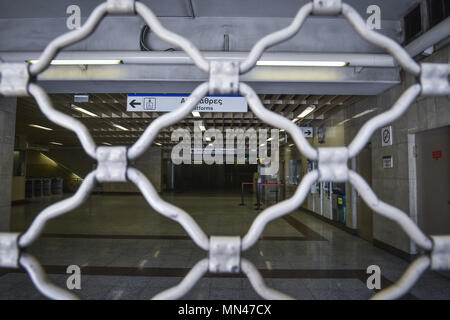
x=17, y=79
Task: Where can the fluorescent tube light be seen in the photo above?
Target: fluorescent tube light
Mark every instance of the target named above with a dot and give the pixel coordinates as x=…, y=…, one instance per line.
x=119, y=127
x=40, y=127
x=202, y=128
x=343, y=121
x=158, y=144
x=301, y=63
x=84, y=111
x=363, y=113
x=107, y=143
x=56, y=143
x=196, y=114
x=307, y=111
x=80, y=62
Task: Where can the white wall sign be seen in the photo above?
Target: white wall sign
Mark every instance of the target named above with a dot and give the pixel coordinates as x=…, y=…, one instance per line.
x=386, y=136
x=165, y=103
x=388, y=162
x=307, y=132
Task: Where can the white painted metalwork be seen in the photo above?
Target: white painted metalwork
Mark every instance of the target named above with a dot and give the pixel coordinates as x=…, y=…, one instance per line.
x=224, y=252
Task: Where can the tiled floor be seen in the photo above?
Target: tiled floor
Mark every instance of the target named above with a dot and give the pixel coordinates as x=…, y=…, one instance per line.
x=128, y=251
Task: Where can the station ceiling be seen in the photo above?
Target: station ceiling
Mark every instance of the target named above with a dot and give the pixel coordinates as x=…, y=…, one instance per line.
x=390, y=10
x=111, y=109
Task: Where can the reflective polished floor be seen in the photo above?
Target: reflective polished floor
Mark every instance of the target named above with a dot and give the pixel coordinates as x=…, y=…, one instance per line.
x=128, y=251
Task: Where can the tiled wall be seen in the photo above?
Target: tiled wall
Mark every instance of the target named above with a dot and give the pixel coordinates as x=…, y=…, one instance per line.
x=395, y=186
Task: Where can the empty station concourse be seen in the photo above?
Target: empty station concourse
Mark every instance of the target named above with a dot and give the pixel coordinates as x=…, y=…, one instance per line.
x=225, y=150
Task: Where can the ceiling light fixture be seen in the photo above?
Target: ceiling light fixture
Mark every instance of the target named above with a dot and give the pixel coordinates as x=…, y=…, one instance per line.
x=342, y=122
x=307, y=111
x=202, y=127
x=119, y=127
x=107, y=143
x=79, y=62
x=56, y=143
x=40, y=127
x=196, y=114
x=300, y=63
x=84, y=111
x=363, y=113
x=158, y=144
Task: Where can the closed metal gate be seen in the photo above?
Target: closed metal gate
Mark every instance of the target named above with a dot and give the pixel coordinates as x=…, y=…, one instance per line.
x=224, y=253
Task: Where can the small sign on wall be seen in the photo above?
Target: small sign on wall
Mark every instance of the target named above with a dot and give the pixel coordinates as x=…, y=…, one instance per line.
x=307, y=132
x=386, y=136
x=388, y=162
x=436, y=154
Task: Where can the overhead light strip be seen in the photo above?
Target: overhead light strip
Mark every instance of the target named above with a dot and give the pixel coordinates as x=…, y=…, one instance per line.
x=119, y=127
x=79, y=62
x=301, y=63
x=307, y=111
x=84, y=111
x=40, y=127
x=363, y=113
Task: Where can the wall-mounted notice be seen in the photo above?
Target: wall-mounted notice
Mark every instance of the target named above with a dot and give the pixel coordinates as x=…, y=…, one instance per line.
x=166, y=103
x=388, y=162
x=386, y=136
x=436, y=154
x=307, y=132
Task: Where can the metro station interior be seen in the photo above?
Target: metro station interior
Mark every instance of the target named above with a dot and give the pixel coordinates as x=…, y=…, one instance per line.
x=127, y=237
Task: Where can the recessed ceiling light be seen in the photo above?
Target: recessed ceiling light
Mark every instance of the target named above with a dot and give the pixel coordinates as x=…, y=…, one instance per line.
x=307, y=111
x=343, y=121
x=363, y=113
x=119, y=127
x=84, y=111
x=40, y=127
